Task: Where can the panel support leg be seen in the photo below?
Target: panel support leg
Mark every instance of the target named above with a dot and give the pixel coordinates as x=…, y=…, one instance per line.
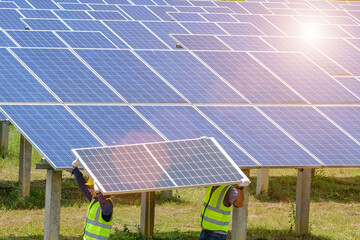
x=262, y=182
x=147, y=213
x=240, y=215
x=25, y=166
x=4, y=137
x=52, y=205
x=303, y=186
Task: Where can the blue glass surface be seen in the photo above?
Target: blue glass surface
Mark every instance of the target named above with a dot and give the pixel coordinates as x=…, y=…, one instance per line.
x=346, y=117
x=105, y=7
x=22, y=3
x=75, y=6
x=5, y=41
x=246, y=43
x=92, y=1
x=86, y=40
x=200, y=42
x=190, y=77
x=187, y=17
x=159, y=2
x=260, y=22
x=72, y=14
x=218, y=9
x=233, y=5
x=178, y=3
x=240, y=29
x=142, y=2
x=2, y=116
x=255, y=8
x=136, y=35
x=38, y=13
x=8, y=5
x=203, y=3
x=249, y=77
x=53, y=130
x=36, y=39
x=116, y=125
x=160, y=11
x=350, y=83
x=43, y=4
x=117, y=1
x=129, y=76
x=139, y=13
x=10, y=19
x=96, y=26
x=258, y=136
x=190, y=9
x=102, y=15
x=184, y=122
x=66, y=75
x=203, y=28
x=317, y=134
x=45, y=24
x=306, y=78
x=218, y=17
x=18, y=85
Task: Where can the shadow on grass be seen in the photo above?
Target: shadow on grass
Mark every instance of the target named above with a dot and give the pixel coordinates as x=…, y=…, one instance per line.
x=323, y=188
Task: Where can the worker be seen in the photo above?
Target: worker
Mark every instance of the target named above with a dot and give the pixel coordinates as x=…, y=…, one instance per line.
x=216, y=210
x=99, y=217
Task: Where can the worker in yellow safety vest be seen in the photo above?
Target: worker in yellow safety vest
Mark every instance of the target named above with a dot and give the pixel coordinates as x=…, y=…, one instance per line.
x=98, y=221
x=215, y=214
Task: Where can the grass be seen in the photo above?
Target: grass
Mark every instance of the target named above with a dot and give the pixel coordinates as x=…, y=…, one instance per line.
x=334, y=210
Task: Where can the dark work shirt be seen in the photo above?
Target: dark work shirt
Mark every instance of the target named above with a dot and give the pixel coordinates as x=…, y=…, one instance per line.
x=105, y=204
x=230, y=196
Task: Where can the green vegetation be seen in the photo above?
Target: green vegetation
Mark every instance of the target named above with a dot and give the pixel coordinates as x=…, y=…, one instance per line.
x=334, y=210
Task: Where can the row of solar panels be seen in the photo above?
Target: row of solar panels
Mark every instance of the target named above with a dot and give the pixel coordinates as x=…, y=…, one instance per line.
x=252, y=136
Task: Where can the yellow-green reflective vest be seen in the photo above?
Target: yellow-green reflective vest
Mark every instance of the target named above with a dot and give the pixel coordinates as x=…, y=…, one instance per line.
x=215, y=216
x=95, y=226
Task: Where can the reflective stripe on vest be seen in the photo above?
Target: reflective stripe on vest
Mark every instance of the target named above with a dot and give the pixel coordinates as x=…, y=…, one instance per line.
x=215, y=215
x=96, y=228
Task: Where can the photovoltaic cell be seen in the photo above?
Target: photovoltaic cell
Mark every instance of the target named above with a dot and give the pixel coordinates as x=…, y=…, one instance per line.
x=240, y=29
x=72, y=14
x=184, y=122
x=76, y=84
x=306, y=78
x=200, y=42
x=203, y=28
x=38, y=13
x=8, y=5
x=136, y=35
x=161, y=12
x=203, y=3
x=255, y=8
x=18, y=85
x=45, y=24
x=350, y=83
x=218, y=17
x=259, y=137
x=22, y=3
x=5, y=41
x=317, y=134
x=164, y=29
x=352, y=30
x=43, y=4
x=218, y=10
x=142, y=2
x=190, y=9
x=139, y=13
x=129, y=76
x=190, y=77
x=187, y=17
x=249, y=77
x=107, y=15
x=286, y=24
x=116, y=125
x=36, y=39
x=86, y=40
x=284, y=11
x=53, y=130
x=261, y=23
x=74, y=6
x=159, y=2
x=346, y=117
x=178, y=3
x=10, y=19
x=96, y=26
x=117, y=1
x=234, y=6
x=104, y=7
x=246, y=43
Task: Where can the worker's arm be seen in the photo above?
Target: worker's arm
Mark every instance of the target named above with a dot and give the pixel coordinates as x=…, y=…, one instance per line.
x=105, y=205
x=240, y=197
x=81, y=182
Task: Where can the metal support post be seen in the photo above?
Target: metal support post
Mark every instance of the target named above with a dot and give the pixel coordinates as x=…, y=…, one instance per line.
x=25, y=166
x=52, y=205
x=303, y=186
x=240, y=215
x=262, y=181
x=4, y=137
x=147, y=213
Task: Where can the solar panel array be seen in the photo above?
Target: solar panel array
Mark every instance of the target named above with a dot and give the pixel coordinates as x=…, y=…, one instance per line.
x=276, y=83
x=159, y=166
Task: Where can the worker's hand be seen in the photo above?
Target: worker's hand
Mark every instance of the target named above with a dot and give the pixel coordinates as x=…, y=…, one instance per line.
x=96, y=188
x=75, y=163
x=244, y=182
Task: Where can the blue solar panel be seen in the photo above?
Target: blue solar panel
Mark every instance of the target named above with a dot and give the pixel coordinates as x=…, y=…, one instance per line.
x=306, y=78
x=104, y=7
x=190, y=9
x=136, y=35
x=190, y=77
x=352, y=30
x=53, y=130
x=5, y=41
x=184, y=122
x=129, y=76
x=255, y=8
x=96, y=26
x=8, y=5
x=164, y=29
x=160, y=2
x=75, y=6
x=161, y=12
x=218, y=10
x=341, y=20
x=72, y=14
x=200, y=42
x=240, y=29
x=36, y=39
x=249, y=77
x=45, y=24
x=142, y=2
x=259, y=137
x=203, y=28
x=261, y=23
x=317, y=134
x=102, y=15
x=346, y=117
x=350, y=83
x=22, y=3
x=139, y=13
x=178, y=3
x=10, y=19
x=2, y=116
x=92, y=1
x=218, y=17
x=203, y=3
x=38, y=13
x=43, y=4
x=117, y=1
x=66, y=75
x=186, y=17
x=234, y=6
x=245, y=43
x=86, y=40
x=116, y=125
x=18, y=85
